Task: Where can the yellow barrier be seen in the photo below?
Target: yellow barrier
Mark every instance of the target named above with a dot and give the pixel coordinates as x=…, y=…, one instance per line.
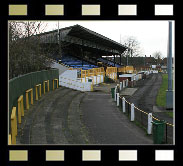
x=122, y=69
x=27, y=97
x=95, y=73
x=126, y=69
x=53, y=83
x=9, y=139
x=36, y=87
x=20, y=108
x=47, y=86
x=129, y=69
x=90, y=72
x=111, y=72
x=91, y=87
x=83, y=75
x=13, y=126
x=102, y=72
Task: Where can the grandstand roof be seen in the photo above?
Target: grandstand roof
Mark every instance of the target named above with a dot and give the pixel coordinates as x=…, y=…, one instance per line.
x=80, y=35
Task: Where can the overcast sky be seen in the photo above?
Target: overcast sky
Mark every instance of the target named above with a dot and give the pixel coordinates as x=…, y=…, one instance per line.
x=152, y=35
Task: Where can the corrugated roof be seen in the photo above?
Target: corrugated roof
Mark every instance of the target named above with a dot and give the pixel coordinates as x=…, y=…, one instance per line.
x=87, y=34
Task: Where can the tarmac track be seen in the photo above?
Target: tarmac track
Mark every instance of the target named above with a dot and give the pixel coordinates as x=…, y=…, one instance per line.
x=106, y=124
x=145, y=97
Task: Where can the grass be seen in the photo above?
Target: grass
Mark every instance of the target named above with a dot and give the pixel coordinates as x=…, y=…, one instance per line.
x=161, y=97
x=170, y=114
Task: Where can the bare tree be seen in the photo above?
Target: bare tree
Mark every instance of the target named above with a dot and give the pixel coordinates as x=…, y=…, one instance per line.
x=157, y=55
x=133, y=48
x=25, y=53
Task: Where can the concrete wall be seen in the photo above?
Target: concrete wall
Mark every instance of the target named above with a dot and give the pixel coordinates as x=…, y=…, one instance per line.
x=60, y=67
x=69, y=79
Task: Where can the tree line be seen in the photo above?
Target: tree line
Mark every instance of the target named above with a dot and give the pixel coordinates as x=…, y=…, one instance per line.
x=25, y=52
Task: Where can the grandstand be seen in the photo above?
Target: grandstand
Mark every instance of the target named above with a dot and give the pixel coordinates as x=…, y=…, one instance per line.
x=82, y=48
x=76, y=63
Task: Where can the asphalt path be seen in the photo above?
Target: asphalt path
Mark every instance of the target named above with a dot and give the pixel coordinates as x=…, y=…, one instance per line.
x=106, y=124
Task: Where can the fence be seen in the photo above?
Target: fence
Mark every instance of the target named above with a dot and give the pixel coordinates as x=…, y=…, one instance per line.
x=96, y=74
x=111, y=72
x=141, y=117
x=18, y=85
x=21, y=86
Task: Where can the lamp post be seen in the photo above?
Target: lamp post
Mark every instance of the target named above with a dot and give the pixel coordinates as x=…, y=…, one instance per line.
x=59, y=42
x=169, y=92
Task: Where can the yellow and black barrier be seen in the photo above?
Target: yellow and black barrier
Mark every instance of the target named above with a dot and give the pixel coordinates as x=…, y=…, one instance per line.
x=147, y=113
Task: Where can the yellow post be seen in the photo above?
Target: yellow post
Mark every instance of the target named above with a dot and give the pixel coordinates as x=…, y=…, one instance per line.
x=38, y=86
x=96, y=76
x=27, y=100
x=27, y=97
x=22, y=106
x=91, y=87
x=53, y=85
x=19, y=113
x=57, y=82
x=13, y=125
x=36, y=91
x=9, y=139
x=85, y=75
x=44, y=86
x=48, y=85
x=39, y=90
x=100, y=75
x=32, y=96
x=20, y=101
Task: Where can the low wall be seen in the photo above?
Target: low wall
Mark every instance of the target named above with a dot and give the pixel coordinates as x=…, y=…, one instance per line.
x=18, y=85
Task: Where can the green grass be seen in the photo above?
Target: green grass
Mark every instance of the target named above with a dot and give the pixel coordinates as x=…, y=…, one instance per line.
x=170, y=114
x=161, y=97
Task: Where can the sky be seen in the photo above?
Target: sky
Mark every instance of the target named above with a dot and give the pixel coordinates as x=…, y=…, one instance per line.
x=152, y=35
